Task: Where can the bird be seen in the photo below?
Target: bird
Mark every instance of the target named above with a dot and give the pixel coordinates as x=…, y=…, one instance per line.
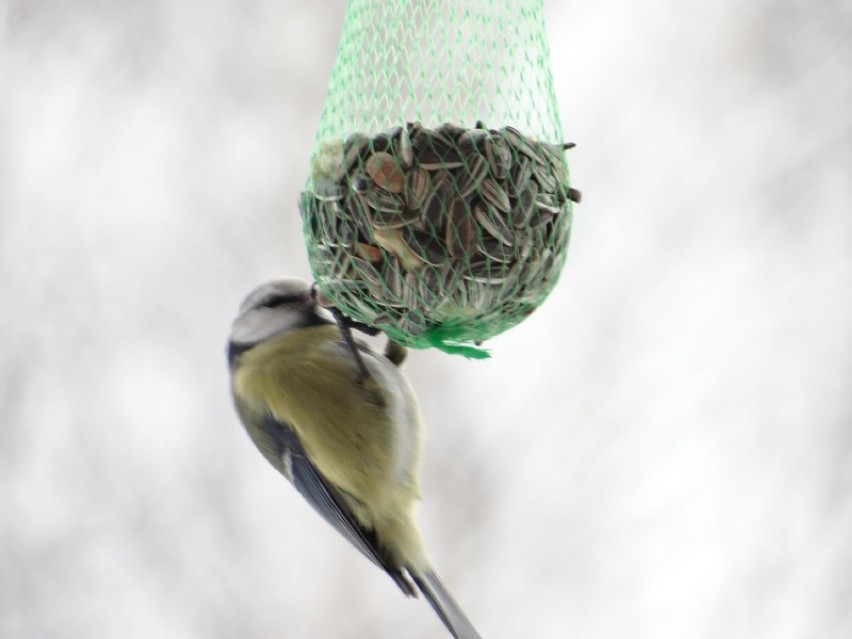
x=346, y=434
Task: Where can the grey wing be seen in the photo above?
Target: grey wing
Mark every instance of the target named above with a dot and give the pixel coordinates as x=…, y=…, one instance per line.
x=328, y=501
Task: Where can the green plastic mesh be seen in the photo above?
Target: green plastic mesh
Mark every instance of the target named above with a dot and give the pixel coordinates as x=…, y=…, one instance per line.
x=438, y=206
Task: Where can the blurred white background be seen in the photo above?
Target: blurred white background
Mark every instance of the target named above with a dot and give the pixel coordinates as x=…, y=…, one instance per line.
x=664, y=450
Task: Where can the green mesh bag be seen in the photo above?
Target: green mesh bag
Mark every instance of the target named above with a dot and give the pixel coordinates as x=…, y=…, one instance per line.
x=438, y=206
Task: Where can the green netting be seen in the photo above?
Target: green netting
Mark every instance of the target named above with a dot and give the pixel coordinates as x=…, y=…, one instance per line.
x=437, y=206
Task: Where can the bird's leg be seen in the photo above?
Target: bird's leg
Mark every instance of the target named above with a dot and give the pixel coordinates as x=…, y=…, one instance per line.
x=344, y=324
x=372, y=331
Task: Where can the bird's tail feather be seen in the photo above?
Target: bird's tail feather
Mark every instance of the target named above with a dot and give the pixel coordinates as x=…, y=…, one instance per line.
x=444, y=605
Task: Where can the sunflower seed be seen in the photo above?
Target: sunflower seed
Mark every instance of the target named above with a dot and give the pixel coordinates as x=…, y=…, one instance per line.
x=366, y=272
x=393, y=277
x=548, y=203
x=417, y=187
x=411, y=291
x=385, y=321
x=365, y=308
x=323, y=253
x=460, y=233
x=339, y=287
x=548, y=259
x=523, y=247
x=386, y=172
x=520, y=175
x=525, y=205
x=495, y=250
x=311, y=211
x=327, y=190
x=382, y=201
x=493, y=222
x=413, y=129
x=383, y=142
x=330, y=265
x=472, y=176
x=459, y=297
x=391, y=240
x=358, y=210
x=484, y=296
x=474, y=293
x=540, y=216
x=413, y=322
x=337, y=264
x=424, y=138
x=553, y=153
x=435, y=151
x=560, y=174
x=495, y=195
x=451, y=131
x=441, y=163
x=499, y=158
x=426, y=245
x=394, y=219
x=511, y=282
x=544, y=177
x=360, y=183
x=354, y=151
x=368, y=252
x=521, y=144
x=484, y=271
x=432, y=285
x=437, y=203
x=339, y=232
x=473, y=140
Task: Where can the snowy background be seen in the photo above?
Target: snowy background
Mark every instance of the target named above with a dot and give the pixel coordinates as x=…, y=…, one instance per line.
x=664, y=450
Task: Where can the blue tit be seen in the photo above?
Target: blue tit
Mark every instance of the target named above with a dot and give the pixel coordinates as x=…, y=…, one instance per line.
x=350, y=444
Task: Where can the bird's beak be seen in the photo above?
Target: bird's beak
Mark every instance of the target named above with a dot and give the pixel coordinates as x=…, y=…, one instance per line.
x=318, y=298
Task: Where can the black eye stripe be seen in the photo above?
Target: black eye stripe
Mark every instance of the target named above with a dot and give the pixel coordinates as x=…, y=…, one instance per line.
x=278, y=300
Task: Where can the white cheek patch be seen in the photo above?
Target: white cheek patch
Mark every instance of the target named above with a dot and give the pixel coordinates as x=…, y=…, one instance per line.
x=260, y=324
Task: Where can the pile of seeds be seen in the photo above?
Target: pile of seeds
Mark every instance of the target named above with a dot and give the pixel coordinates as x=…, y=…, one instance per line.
x=416, y=228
